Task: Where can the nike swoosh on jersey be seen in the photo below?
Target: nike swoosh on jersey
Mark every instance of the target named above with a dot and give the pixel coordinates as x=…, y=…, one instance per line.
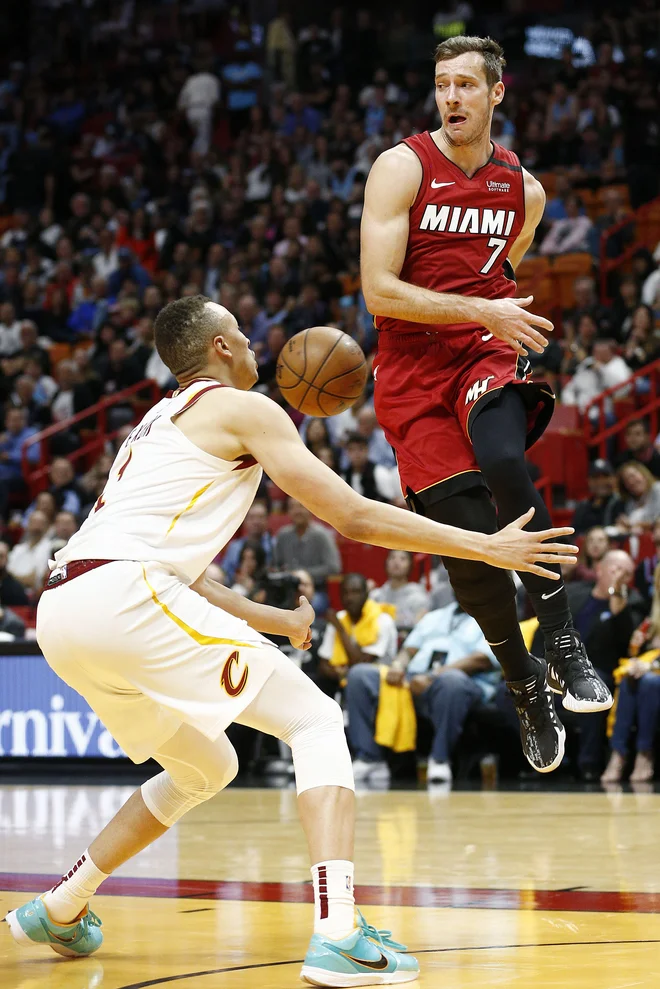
x=379, y=965
x=439, y=185
x=487, y=336
x=552, y=593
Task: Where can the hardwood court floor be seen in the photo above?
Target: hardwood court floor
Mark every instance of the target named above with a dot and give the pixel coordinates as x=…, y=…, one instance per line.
x=507, y=890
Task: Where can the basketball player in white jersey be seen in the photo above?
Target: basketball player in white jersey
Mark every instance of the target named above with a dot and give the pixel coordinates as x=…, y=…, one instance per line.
x=168, y=659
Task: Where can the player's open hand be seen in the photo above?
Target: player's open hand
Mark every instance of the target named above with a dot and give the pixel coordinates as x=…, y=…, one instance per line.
x=515, y=548
x=509, y=320
x=300, y=636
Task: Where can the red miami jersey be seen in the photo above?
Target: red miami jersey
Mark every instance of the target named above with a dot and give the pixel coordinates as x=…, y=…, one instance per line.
x=461, y=229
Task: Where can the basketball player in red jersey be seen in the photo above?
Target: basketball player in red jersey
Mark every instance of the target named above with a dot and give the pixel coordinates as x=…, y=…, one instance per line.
x=448, y=216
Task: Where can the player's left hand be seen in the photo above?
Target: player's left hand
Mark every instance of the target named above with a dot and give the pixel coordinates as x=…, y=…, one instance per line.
x=514, y=548
x=301, y=635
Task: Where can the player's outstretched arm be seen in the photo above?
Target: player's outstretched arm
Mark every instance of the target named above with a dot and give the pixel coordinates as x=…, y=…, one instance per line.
x=390, y=192
x=265, y=431
x=271, y=621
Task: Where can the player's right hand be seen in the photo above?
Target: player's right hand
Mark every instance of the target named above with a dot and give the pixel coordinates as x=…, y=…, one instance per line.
x=515, y=548
x=300, y=636
x=508, y=320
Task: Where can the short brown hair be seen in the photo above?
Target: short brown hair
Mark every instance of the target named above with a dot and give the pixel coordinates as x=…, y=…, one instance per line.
x=461, y=44
x=183, y=332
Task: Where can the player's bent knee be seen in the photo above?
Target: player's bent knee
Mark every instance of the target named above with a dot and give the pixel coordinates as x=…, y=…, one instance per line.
x=480, y=587
x=170, y=795
x=319, y=747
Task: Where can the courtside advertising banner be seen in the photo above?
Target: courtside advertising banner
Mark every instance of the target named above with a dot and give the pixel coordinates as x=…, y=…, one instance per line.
x=41, y=716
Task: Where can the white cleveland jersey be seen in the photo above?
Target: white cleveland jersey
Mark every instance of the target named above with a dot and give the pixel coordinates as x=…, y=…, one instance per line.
x=166, y=500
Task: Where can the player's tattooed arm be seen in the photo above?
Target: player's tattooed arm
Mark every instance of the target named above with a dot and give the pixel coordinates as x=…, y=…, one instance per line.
x=534, y=208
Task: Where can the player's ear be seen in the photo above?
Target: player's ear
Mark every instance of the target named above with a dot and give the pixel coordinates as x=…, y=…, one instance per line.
x=221, y=346
x=497, y=93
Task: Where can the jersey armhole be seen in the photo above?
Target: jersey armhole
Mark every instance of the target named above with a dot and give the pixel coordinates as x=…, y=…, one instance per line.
x=421, y=181
x=195, y=398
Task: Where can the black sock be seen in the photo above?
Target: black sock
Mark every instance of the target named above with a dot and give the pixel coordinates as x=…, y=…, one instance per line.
x=552, y=611
x=502, y=631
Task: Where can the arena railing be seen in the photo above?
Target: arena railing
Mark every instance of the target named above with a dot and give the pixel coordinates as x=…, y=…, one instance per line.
x=635, y=398
x=93, y=438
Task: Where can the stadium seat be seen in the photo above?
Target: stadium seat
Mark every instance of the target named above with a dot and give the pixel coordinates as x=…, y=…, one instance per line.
x=565, y=269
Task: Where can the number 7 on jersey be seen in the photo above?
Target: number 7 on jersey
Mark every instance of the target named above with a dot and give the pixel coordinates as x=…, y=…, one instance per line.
x=498, y=244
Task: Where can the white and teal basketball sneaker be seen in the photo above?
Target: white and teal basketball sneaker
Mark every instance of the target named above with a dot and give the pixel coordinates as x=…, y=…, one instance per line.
x=31, y=925
x=366, y=957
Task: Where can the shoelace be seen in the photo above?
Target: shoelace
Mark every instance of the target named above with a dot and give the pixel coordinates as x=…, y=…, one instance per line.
x=571, y=657
x=384, y=938
x=532, y=712
x=90, y=920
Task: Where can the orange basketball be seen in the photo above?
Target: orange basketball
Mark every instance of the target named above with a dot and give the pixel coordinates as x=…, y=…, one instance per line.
x=321, y=371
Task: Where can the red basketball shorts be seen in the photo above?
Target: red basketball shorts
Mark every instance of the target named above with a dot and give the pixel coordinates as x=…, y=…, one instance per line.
x=428, y=386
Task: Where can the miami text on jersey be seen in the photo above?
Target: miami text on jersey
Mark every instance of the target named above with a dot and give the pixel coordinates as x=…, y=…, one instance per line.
x=467, y=220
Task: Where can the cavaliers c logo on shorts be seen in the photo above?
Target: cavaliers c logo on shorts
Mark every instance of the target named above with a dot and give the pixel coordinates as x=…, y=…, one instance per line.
x=226, y=680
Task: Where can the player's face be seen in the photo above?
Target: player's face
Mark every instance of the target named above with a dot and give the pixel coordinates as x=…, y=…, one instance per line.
x=464, y=101
x=244, y=368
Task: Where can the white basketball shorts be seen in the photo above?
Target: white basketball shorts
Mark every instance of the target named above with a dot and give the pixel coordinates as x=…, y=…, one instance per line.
x=148, y=654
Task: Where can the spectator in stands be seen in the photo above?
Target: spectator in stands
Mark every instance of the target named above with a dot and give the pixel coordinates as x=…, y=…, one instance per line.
x=596, y=544
x=362, y=632
x=639, y=448
x=380, y=452
x=199, y=95
x=603, y=370
x=571, y=234
x=309, y=660
x=12, y=592
x=16, y=433
x=90, y=486
x=641, y=494
x=64, y=487
x=409, y=598
x=28, y=560
x=66, y=525
x=251, y=568
x=638, y=700
x=605, y=613
x=255, y=529
x=448, y=667
x=626, y=300
x=641, y=345
x=73, y=395
x=603, y=506
x=614, y=214
x=45, y=503
x=646, y=568
x=317, y=435
x=329, y=456
x=307, y=545
x=651, y=287
x=366, y=477
x=585, y=297
x=11, y=626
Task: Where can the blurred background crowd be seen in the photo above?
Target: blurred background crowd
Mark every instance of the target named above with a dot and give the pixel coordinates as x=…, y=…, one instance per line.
x=157, y=149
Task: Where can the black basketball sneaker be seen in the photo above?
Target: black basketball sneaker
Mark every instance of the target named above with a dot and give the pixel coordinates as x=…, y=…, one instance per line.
x=571, y=674
x=542, y=734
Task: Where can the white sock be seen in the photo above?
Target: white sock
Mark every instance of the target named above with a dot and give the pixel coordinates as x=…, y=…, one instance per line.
x=71, y=894
x=334, y=904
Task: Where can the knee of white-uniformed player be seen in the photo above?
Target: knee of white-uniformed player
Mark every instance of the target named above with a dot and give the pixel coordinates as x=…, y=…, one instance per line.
x=320, y=718
x=170, y=795
x=319, y=748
